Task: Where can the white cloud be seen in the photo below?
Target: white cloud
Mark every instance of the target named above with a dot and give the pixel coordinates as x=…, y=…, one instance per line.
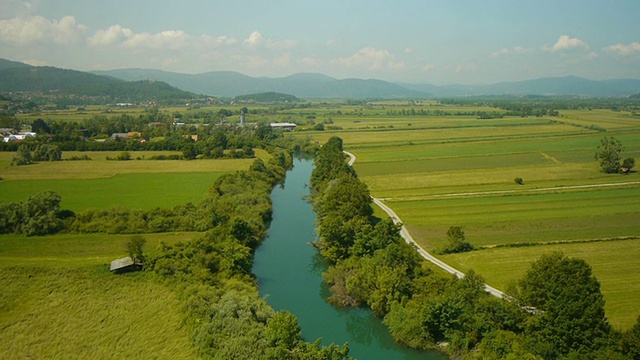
x=567, y=43
x=12, y=8
x=225, y=40
x=505, y=51
x=168, y=39
x=370, y=58
x=408, y=51
x=283, y=60
x=256, y=40
x=624, y=50
x=27, y=30
x=592, y=55
x=115, y=34
x=502, y=52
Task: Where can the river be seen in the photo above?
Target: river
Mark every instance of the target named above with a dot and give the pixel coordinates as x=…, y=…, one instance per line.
x=289, y=275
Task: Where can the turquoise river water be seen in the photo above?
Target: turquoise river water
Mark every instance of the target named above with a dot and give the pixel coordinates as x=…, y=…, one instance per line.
x=289, y=275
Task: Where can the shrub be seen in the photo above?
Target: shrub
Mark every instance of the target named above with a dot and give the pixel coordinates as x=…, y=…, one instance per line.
x=519, y=181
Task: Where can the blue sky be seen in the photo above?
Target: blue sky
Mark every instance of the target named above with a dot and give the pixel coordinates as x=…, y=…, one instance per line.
x=418, y=41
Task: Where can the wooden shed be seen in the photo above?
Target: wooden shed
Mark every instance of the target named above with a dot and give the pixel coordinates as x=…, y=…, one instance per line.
x=125, y=265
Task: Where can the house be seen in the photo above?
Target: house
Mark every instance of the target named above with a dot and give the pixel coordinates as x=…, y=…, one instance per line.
x=284, y=126
x=19, y=136
x=120, y=136
x=125, y=265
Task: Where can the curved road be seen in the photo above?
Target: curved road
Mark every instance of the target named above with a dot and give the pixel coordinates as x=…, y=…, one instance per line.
x=409, y=239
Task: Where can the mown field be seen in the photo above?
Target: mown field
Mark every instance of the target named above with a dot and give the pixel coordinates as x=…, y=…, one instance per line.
x=98, y=183
x=440, y=171
x=59, y=301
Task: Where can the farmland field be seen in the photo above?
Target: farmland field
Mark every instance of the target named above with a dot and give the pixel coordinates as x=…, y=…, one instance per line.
x=58, y=300
x=441, y=171
x=98, y=183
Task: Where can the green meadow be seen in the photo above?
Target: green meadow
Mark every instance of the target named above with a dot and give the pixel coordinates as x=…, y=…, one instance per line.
x=98, y=183
x=440, y=171
x=59, y=301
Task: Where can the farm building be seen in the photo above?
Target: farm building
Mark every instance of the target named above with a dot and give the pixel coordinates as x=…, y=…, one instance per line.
x=285, y=126
x=125, y=265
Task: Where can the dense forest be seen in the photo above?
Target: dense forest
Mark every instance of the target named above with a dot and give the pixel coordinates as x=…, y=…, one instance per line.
x=266, y=97
x=556, y=311
x=70, y=87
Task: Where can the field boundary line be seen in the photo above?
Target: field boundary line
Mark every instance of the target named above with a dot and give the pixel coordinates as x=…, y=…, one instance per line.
x=502, y=192
x=549, y=157
x=426, y=255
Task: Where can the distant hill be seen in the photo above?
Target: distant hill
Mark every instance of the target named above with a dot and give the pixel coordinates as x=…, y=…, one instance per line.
x=8, y=64
x=305, y=85
x=309, y=85
x=54, y=81
x=15, y=75
x=266, y=97
x=555, y=86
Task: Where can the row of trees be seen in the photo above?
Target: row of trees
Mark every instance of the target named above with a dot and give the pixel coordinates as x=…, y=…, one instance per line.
x=41, y=152
x=555, y=311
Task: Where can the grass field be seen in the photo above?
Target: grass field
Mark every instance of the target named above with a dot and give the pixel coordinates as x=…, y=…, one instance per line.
x=135, y=184
x=440, y=171
x=59, y=301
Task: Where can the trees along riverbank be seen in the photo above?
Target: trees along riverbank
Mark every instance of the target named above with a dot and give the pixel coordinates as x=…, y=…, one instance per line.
x=372, y=266
x=211, y=274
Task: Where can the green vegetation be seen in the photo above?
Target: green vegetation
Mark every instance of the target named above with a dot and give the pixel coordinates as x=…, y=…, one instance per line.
x=75, y=87
x=557, y=310
x=439, y=170
x=266, y=97
x=436, y=163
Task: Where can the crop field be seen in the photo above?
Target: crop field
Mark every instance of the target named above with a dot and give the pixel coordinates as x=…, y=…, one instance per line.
x=58, y=300
x=98, y=183
x=441, y=171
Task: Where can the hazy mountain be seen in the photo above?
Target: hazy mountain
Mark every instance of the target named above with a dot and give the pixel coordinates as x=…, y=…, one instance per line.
x=309, y=85
x=8, y=64
x=305, y=85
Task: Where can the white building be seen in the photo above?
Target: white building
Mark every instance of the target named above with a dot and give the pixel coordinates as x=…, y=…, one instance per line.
x=285, y=126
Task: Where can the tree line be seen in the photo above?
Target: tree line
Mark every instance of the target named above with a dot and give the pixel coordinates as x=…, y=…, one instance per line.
x=556, y=311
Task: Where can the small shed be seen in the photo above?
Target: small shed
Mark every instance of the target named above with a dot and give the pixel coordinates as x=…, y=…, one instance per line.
x=125, y=265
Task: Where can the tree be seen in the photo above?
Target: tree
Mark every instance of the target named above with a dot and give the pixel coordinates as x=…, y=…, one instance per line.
x=40, y=126
x=456, y=241
x=631, y=341
x=134, y=247
x=629, y=163
x=609, y=154
x=569, y=304
x=23, y=156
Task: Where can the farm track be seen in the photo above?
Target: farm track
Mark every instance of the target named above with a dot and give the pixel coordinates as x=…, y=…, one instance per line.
x=509, y=192
x=426, y=255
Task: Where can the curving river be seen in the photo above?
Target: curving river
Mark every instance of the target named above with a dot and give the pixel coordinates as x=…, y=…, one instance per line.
x=289, y=275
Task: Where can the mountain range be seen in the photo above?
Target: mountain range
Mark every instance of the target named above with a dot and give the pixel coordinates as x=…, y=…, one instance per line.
x=16, y=76
x=311, y=85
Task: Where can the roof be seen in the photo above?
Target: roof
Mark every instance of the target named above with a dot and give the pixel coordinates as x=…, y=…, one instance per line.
x=124, y=264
